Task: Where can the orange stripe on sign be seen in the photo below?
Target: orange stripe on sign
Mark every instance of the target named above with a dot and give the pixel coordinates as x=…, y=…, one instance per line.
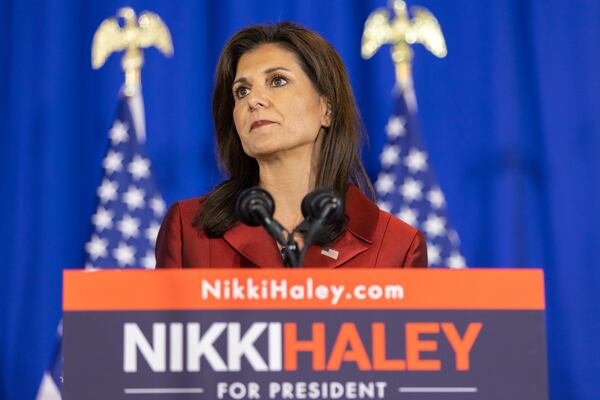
x=222, y=289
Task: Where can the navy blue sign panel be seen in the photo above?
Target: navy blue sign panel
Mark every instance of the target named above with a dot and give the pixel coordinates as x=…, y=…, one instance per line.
x=401, y=350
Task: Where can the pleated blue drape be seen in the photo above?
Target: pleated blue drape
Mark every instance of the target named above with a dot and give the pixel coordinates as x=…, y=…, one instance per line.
x=511, y=119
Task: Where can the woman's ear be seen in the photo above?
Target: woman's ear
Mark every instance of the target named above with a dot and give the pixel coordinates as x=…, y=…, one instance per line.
x=328, y=114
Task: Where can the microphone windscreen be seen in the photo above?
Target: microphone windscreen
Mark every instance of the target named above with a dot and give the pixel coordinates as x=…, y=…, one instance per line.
x=247, y=203
x=314, y=203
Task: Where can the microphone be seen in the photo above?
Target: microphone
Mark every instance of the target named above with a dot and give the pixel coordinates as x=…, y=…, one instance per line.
x=254, y=207
x=323, y=204
x=320, y=207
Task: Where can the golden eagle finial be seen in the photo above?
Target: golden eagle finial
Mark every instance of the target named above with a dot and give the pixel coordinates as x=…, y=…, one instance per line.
x=149, y=30
x=401, y=33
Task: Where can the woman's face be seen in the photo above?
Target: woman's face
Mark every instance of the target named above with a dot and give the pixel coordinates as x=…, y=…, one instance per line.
x=276, y=109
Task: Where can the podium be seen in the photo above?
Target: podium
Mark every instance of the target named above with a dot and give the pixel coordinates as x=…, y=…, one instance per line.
x=304, y=334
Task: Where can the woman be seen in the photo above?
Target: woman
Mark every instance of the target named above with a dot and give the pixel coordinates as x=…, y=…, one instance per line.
x=286, y=121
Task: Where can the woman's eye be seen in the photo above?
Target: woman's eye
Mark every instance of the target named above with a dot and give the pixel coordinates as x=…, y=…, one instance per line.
x=279, y=81
x=242, y=92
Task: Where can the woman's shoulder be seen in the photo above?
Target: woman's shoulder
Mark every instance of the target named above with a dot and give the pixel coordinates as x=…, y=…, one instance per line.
x=366, y=217
x=398, y=243
x=402, y=233
x=406, y=235
x=185, y=210
x=191, y=204
x=398, y=225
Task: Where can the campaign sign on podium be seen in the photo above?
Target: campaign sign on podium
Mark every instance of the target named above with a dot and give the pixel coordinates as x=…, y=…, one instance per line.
x=304, y=334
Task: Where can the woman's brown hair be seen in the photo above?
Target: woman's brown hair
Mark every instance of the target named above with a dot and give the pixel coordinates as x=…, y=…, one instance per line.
x=339, y=162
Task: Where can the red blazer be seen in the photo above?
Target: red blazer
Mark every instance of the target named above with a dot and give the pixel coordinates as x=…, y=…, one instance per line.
x=372, y=238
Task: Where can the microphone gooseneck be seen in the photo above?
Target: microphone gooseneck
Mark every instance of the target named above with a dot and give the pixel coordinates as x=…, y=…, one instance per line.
x=323, y=204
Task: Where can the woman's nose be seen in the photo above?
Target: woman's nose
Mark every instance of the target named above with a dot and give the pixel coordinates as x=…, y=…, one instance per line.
x=258, y=99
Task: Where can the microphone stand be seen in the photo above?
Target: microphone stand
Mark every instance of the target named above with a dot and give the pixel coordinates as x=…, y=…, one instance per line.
x=289, y=247
x=291, y=254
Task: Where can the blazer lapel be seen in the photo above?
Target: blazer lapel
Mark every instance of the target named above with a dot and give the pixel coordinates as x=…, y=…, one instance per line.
x=254, y=244
x=347, y=247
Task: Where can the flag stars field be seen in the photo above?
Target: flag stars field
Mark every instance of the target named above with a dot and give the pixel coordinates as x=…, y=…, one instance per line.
x=453, y=237
x=434, y=226
x=130, y=209
x=407, y=187
x=433, y=254
x=124, y=254
x=118, y=133
x=103, y=219
x=134, y=197
x=385, y=183
x=390, y=155
x=113, y=162
x=152, y=232
x=107, y=191
x=395, y=127
x=416, y=161
x=139, y=167
x=158, y=206
x=96, y=247
x=456, y=261
x=408, y=215
x=129, y=226
x=436, y=198
x=148, y=261
x=411, y=189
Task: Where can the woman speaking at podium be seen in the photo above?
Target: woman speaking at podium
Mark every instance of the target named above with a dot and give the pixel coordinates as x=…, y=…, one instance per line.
x=286, y=121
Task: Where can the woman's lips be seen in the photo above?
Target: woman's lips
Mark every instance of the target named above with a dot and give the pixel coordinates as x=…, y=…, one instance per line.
x=258, y=124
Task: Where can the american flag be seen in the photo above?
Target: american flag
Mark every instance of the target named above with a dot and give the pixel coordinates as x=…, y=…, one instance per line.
x=127, y=218
x=130, y=208
x=407, y=187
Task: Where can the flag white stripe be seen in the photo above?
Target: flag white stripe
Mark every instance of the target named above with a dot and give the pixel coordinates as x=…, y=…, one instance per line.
x=48, y=389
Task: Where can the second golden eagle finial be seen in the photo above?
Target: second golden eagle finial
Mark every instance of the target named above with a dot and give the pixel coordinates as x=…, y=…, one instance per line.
x=401, y=33
x=148, y=30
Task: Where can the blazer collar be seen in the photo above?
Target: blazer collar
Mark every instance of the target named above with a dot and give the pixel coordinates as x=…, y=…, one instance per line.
x=362, y=214
x=255, y=244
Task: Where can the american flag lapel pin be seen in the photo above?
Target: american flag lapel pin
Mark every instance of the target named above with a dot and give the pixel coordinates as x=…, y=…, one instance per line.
x=331, y=253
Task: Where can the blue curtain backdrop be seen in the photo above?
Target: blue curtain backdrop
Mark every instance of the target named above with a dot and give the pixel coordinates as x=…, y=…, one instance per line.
x=511, y=119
